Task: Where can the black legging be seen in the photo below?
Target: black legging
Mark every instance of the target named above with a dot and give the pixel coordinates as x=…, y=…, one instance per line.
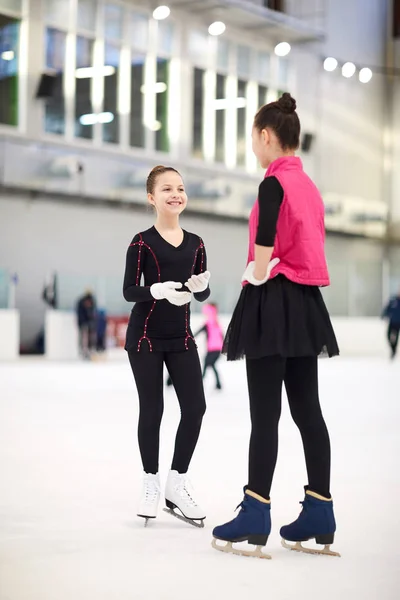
x=300, y=375
x=210, y=360
x=393, y=337
x=185, y=371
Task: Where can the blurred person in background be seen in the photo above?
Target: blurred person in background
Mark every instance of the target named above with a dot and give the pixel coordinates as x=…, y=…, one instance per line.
x=86, y=317
x=391, y=312
x=173, y=264
x=281, y=325
x=101, y=330
x=215, y=340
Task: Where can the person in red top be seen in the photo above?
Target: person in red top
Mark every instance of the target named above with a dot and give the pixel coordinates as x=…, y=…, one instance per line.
x=281, y=326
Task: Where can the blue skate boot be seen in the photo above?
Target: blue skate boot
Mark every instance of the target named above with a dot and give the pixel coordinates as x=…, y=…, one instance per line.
x=252, y=525
x=316, y=520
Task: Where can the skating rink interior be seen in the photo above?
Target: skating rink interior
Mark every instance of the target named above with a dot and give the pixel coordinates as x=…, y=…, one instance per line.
x=70, y=476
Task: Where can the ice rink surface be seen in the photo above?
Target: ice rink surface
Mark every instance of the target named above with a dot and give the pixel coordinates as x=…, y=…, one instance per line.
x=70, y=475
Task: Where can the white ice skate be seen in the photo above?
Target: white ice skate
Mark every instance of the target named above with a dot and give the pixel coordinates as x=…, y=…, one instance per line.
x=178, y=495
x=148, y=504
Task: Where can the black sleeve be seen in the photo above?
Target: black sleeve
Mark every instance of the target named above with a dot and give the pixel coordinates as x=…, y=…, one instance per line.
x=132, y=290
x=200, y=267
x=270, y=196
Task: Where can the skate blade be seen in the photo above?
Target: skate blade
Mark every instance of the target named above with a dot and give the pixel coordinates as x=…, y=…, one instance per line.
x=146, y=519
x=196, y=523
x=298, y=547
x=229, y=549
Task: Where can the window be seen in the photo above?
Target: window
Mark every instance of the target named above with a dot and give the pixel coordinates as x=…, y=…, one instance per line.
x=396, y=19
x=198, y=108
x=110, y=107
x=165, y=40
x=220, y=119
x=198, y=44
x=263, y=66
x=9, y=41
x=57, y=11
x=139, y=31
x=278, y=5
x=86, y=17
x=262, y=95
x=113, y=18
x=241, y=124
x=243, y=61
x=283, y=72
x=162, y=91
x=84, y=117
x=137, y=133
x=223, y=49
x=55, y=59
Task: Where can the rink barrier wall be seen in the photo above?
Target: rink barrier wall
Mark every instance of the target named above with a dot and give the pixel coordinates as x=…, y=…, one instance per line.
x=9, y=334
x=61, y=335
x=357, y=336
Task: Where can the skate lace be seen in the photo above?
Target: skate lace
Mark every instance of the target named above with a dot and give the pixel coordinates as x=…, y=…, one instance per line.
x=151, y=491
x=184, y=488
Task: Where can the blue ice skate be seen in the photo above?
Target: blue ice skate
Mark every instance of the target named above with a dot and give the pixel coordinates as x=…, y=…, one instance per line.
x=316, y=520
x=252, y=525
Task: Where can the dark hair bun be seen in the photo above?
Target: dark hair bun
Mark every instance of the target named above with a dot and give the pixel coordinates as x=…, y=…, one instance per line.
x=287, y=104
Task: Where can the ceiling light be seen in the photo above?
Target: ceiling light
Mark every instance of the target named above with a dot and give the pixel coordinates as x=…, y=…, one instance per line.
x=282, y=49
x=161, y=12
x=348, y=69
x=217, y=28
x=7, y=55
x=365, y=75
x=330, y=64
x=86, y=72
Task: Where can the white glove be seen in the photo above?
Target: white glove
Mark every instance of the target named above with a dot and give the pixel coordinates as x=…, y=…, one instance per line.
x=168, y=291
x=198, y=283
x=248, y=274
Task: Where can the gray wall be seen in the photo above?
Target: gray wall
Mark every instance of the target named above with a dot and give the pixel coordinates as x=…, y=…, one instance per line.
x=83, y=243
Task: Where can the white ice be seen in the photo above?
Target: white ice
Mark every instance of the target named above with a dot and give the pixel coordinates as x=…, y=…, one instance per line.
x=70, y=475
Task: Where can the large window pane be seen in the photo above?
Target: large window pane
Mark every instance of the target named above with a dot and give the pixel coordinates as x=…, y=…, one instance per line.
x=57, y=11
x=165, y=37
x=198, y=107
x=14, y=5
x=139, y=31
x=84, y=117
x=110, y=108
x=243, y=61
x=262, y=95
x=113, y=18
x=283, y=72
x=220, y=119
x=162, y=139
x=198, y=47
x=9, y=38
x=87, y=15
x=223, y=50
x=241, y=125
x=263, y=67
x=55, y=59
x=137, y=133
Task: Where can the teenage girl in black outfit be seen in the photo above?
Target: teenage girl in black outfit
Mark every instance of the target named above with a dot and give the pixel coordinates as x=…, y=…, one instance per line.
x=160, y=263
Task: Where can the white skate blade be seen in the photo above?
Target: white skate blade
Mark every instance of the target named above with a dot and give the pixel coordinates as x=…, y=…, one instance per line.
x=229, y=549
x=196, y=523
x=298, y=547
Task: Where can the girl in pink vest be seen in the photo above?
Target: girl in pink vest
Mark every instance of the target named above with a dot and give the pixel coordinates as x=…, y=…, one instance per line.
x=281, y=326
x=215, y=339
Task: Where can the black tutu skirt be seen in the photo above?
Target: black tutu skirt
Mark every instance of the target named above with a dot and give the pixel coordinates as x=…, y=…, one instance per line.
x=280, y=318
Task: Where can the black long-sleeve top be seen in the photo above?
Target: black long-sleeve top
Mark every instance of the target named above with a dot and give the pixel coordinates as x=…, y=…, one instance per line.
x=270, y=197
x=160, y=325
